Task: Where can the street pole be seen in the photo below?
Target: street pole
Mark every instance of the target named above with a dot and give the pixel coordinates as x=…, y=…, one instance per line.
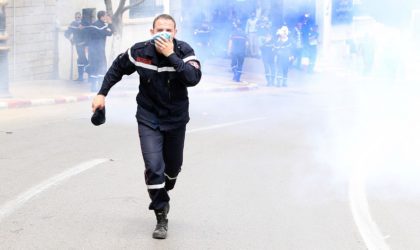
x=4, y=51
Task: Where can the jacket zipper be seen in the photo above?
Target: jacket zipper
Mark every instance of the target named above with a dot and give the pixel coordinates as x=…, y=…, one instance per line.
x=169, y=90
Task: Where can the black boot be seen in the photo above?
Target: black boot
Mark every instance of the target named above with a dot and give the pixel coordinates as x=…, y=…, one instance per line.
x=161, y=229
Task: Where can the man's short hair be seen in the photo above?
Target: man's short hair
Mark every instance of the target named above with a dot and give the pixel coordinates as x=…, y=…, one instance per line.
x=101, y=13
x=164, y=16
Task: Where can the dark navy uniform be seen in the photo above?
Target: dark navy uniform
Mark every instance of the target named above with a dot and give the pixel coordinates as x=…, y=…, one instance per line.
x=97, y=33
x=238, y=51
x=267, y=55
x=283, y=50
x=312, y=47
x=162, y=109
x=76, y=35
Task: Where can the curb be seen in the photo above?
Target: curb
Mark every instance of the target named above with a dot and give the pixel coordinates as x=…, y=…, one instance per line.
x=238, y=87
x=25, y=103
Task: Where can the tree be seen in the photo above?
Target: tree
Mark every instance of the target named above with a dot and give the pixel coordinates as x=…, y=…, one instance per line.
x=117, y=15
x=118, y=22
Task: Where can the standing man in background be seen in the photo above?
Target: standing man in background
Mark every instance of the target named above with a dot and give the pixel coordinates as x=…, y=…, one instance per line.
x=75, y=34
x=166, y=66
x=251, y=30
x=237, y=50
x=283, y=55
x=96, y=35
x=298, y=40
x=312, y=47
x=267, y=54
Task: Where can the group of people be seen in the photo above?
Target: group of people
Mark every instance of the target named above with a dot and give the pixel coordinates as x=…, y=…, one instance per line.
x=89, y=38
x=279, y=48
x=279, y=44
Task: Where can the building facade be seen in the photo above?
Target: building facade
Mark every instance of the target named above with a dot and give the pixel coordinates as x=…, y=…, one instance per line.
x=31, y=29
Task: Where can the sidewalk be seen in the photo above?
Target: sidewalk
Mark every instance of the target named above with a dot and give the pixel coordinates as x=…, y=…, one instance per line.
x=216, y=78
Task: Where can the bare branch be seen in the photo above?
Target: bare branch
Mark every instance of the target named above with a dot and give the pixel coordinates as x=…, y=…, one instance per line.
x=120, y=6
x=132, y=5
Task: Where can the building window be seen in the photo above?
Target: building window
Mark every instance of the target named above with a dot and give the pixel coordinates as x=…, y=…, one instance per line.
x=149, y=8
x=342, y=12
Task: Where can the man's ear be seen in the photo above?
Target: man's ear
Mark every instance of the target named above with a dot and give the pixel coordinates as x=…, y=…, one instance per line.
x=175, y=33
x=151, y=32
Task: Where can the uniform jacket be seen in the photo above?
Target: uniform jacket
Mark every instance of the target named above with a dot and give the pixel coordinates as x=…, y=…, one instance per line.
x=163, y=97
x=283, y=50
x=266, y=47
x=238, y=39
x=74, y=32
x=96, y=34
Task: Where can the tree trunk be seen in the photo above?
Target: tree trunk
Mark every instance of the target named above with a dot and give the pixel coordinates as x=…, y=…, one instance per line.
x=117, y=22
x=108, y=5
x=117, y=16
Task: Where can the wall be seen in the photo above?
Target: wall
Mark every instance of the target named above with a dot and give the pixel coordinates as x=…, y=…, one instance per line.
x=31, y=27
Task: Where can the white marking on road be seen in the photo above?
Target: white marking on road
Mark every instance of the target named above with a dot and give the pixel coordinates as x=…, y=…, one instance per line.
x=372, y=236
x=225, y=125
x=13, y=205
x=370, y=232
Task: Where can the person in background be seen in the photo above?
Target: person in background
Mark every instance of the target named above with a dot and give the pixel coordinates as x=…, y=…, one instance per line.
x=312, y=48
x=96, y=35
x=2, y=17
x=267, y=56
x=298, y=40
x=251, y=30
x=283, y=48
x=75, y=34
x=264, y=25
x=166, y=67
x=237, y=50
x=202, y=37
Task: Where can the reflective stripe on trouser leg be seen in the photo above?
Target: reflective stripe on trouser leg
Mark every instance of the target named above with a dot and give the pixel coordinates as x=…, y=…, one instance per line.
x=169, y=182
x=173, y=151
x=151, y=142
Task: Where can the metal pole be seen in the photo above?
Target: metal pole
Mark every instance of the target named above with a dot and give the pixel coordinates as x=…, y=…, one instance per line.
x=4, y=50
x=71, y=60
x=55, y=74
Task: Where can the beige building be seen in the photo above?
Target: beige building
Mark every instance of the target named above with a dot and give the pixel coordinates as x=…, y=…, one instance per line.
x=31, y=29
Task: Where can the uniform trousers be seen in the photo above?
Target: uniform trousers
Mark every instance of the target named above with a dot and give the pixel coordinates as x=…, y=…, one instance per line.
x=163, y=155
x=237, y=63
x=82, y=61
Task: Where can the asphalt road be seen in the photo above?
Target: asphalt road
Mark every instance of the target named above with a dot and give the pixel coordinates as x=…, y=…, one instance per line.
x=329, y=165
